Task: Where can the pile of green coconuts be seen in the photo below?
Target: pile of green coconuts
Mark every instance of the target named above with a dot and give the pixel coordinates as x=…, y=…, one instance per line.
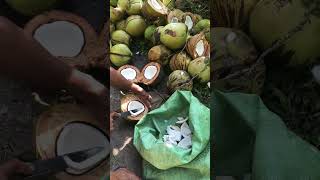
x=179, y=40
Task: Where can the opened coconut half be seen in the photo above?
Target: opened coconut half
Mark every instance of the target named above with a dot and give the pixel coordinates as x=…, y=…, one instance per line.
x=198, y=46
x=65, y=35
x=151, y=74
x=69, y=128
x=131, y=102
x=175, y=16
x=154, y=8
x=129, y=72
x=189, y=20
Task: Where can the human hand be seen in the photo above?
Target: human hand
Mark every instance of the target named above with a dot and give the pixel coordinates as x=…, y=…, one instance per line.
x=12, y=168
x=91, y=92
x=113, y=115
x=146, y=97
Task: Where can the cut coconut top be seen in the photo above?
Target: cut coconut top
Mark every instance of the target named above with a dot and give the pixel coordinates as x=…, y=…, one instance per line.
x=189, y=22
x=60, y=38
x=150, y=72
x=200, y=48
x=132, y=105
x=80, y=136
x=129, y=73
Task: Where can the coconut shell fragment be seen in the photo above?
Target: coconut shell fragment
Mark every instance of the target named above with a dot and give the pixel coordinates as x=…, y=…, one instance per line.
x=198, y=46
x=131, y=102
x=151, y=74
x=130, y=72
x=154, y=8
x=66, y=36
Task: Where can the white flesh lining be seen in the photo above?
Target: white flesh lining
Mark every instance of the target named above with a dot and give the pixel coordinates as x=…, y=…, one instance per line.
x=61, y=38
x=189, y=22
x=200, y=48
x=156, y=4
x=150, y=72
x=132, y=105
x=129, y=73
x=77, y=137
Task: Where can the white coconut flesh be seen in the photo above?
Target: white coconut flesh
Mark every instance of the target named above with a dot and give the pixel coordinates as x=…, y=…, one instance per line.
x=77, y=137
x=133, y=105
x=200, y=48
x=150, y=72
x=129, y=73
x=156, y=4
x=61, y=38
x=188, y=22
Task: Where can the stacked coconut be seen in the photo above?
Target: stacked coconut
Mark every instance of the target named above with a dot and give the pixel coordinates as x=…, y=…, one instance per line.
x=179, y=40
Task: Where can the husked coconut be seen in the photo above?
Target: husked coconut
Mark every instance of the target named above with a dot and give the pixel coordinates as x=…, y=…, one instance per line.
x=133, y=105
x=131, y=102
x=130, y=72
x=151, y=74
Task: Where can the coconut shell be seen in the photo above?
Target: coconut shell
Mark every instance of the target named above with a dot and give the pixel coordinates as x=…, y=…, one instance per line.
x=192, y=43
x=176, y=13
x=160, y=54
x=137, y=79
x=50, y=124
x=124, y=106
x=192, y=16
x=90, y=53
x=150, y=12
x=157, y=77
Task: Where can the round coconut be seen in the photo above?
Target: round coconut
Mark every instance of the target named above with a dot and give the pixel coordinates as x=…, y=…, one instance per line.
x=66, y=36
x=131, y=102
x=53, y=123
x=130, y=72
x=151, y=73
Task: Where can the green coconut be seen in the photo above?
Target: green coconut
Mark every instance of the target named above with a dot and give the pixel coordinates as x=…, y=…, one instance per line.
x=160, y=54
x=200, y=69
x=232, y=13
x=113, y=3
x=179, y=80
x=174, y=35
x=134, y=7
x=120, y=54
x=136, y=25
x=120, y=37
x=202, y=25
x=155, y=38
x=121, y=25
x=169, y=3
x=270, y=22
x=154, y=8
x=32, y=7
x=148, y=33
x=180, y=61
x=116, y=14
x=123, y=4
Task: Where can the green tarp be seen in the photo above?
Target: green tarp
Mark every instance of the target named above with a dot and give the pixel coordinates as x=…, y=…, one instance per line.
x=248, y=138
x=163, y=162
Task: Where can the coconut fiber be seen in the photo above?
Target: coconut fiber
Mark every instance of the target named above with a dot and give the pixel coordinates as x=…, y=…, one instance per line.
x=163, y=162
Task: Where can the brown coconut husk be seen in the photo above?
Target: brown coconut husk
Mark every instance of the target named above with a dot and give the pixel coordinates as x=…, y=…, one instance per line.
x=89, y=54
x=192, y=42
x=50, y=124
x=137, y=79
x=124, y=106
x=156, y=79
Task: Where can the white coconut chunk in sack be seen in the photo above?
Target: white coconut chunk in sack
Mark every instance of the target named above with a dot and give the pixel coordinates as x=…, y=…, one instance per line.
x=200, y=48
x=133, y=105
x=181, y=120
x=185, y=143
x=189, y=22
x=150, y=72
x=129, y=73
x=175, y=136
x=156, y=4
x=79, y=136
x=172, y=128
x=61, y=38
x=185, y=130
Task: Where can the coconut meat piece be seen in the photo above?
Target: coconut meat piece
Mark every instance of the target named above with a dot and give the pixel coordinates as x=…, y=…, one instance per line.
x=189, y=22
x=77, y=137
x=129, y=73
x=60, y=38
x=150, y=72
x=133, y=105
x=200, y=48
x=156, y=4
x=185, y=143
x=185, y=130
